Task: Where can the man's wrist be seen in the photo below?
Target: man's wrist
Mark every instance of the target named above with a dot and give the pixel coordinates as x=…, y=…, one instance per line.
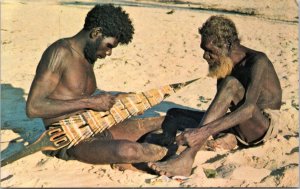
x=86, y=103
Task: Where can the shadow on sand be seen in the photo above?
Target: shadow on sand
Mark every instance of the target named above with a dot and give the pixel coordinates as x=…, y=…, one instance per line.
x=14, y=119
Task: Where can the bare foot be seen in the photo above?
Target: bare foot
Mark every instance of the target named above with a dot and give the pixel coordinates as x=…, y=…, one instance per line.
x=227, y=142
x=178, y=166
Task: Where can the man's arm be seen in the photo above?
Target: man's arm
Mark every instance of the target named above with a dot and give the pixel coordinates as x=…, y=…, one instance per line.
x=47, y=78
x=241, y=114
x=246, y=110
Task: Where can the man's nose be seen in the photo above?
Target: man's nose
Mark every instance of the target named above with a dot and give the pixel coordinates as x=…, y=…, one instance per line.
x=108, y=53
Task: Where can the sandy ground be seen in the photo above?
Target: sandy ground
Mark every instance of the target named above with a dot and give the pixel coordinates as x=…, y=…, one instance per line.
x=165, y=50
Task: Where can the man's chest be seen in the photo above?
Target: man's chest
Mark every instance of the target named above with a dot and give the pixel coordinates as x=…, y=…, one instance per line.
x=79, y=79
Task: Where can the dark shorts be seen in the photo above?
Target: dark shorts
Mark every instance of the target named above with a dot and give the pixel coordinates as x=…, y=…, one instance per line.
x=191, y=119
x=63, y=152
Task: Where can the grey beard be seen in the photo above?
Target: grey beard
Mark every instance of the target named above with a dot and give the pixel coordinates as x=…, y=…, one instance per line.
x=223, y=69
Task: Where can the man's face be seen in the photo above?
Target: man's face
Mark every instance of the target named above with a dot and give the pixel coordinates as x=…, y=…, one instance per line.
x=220, y=64
x=101, y=48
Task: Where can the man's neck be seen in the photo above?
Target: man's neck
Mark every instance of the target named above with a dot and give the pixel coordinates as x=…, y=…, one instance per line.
x=238, y=53
x=78, y=41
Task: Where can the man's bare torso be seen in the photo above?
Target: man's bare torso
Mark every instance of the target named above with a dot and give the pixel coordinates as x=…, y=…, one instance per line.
x=270, y=96
x=77, y=79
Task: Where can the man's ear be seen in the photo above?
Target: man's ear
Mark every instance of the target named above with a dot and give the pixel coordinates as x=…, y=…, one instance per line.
x=96, y=32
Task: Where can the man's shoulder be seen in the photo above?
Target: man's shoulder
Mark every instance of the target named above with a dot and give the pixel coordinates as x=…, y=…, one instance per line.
x=60, y=45
x=257, y=57
x=55, y=55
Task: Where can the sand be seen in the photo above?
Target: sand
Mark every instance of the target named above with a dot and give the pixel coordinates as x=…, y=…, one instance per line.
x=165, y=50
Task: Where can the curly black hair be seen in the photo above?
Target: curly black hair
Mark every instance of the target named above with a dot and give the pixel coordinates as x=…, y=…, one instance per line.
x=114, y=22
x=221, y=30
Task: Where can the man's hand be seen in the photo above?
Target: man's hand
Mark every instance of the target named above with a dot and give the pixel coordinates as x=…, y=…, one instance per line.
x=193, y=137
x=102, y=102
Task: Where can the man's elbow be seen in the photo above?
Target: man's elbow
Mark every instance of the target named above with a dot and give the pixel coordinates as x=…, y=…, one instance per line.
x=31, y=111
x=249, y=108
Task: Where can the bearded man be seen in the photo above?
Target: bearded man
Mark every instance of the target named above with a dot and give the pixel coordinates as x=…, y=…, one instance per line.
x=65, y=85
x=245, y=106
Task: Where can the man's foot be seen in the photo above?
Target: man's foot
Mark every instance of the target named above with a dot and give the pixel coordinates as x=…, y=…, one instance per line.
x=178, y=166
x=227, y=142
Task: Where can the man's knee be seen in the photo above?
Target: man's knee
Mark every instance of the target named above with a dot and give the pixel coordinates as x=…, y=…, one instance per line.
x=233, y=87
x=128, y=153
x=230, y=82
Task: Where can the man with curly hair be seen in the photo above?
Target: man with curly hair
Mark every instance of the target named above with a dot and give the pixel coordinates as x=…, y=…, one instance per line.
x=244, y=109
x=65, y=85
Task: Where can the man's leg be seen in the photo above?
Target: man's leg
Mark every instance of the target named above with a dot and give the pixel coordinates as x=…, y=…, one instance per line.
x=98, y=151
x=231, y=91
x=121, y=146
x=255, y=128
x=175, y=119
x=133, y=129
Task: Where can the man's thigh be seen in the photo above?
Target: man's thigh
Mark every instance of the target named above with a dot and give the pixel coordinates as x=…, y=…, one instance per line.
x=99, y=151
x=133, y=129
x=252, y=131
